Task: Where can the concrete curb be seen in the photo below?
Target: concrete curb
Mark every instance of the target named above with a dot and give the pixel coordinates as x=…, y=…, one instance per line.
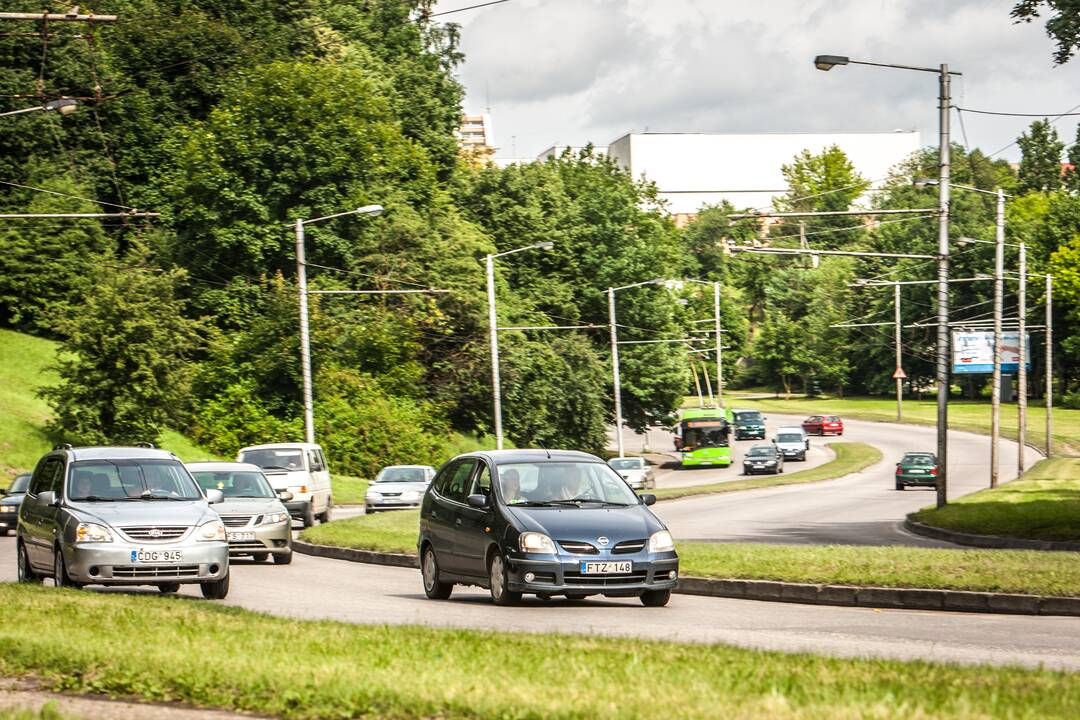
x=996, y=542
x=806, y=593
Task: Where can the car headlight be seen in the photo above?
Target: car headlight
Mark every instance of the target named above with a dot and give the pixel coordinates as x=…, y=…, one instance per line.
x=770, y=462
x=373, y=494
x=9, y=508
x=411, y=495
x=274, y=518
x=213, y=530
x=661, y=541
x=534, y=542
x=92, y=532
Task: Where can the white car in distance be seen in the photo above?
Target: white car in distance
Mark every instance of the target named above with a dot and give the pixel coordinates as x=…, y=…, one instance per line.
x=636, y=471
x=397, y=487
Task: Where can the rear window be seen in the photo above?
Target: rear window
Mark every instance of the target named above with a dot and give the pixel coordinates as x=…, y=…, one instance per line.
x=832, y=418
x=275, y=458
x=925, y=460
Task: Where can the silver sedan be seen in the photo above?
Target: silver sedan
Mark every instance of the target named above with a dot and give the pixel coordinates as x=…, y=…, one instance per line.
x=636, y=471
x=397, y=487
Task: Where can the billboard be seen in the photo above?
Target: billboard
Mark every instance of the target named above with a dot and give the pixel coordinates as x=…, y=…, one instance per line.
x=973, y=352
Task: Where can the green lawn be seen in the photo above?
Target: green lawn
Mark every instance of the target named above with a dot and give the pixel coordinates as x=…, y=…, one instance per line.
x=850, y=457
x=1043, y=504
x=1031, y=572
x=218, y=656
x=963, y=415
x=24, y=363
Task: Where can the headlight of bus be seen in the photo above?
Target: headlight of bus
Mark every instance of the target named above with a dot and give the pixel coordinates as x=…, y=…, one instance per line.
x=213, y=530
x=92, y=533
x=661, y=542
x=534, y=542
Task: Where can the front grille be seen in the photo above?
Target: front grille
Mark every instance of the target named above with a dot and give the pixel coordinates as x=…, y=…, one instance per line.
x=628, y=546
x=578, y=548
x=576, y=578
x=247, y=545
x=386, y=494
x=155, y=533
x=155, y=571
x=235, y=520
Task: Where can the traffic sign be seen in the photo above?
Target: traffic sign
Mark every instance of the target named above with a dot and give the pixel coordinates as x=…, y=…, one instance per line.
x=899, y=374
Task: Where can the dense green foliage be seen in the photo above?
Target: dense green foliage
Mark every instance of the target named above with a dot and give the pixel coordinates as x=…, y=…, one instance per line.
x=1063, y=25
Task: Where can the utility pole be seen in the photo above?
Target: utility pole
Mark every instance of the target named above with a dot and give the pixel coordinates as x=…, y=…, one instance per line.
x=999, y=298
x=1021, y=375
x=72, y=16
x=305, y=336
x=1049, y=364
x=493, y=332
x=899, y=374
x=617, y=392
x=944, y=103
x=719, y=348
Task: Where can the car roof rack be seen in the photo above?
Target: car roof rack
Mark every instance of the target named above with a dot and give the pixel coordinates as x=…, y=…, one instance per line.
x=62, y=446
x=145, y=445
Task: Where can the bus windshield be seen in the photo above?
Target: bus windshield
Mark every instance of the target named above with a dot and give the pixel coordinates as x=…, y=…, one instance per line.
x=704, y=434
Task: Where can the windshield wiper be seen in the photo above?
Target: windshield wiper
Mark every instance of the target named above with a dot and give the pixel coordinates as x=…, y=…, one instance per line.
x=275, y=467
x=530, y=503
x=98, y=498
x=148, y=495
x=261, y=497
x=578, y=501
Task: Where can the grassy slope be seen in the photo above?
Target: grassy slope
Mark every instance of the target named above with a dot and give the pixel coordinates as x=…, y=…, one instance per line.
x=1044, y=504
x=305, y=669
x=963, y=415
x=850, y=458
x=1032, y=572
x=24, y=362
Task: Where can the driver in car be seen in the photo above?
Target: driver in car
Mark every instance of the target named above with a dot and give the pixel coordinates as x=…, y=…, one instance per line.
x=83, y=484
x=511, y=487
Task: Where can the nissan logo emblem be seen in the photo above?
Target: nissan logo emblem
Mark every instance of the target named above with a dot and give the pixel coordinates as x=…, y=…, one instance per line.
x=602, y=540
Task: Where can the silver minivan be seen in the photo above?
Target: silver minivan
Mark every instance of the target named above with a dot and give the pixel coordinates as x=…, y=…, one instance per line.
x=120, y=516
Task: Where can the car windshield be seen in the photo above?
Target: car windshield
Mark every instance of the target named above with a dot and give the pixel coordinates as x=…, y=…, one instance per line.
x=789, y=438
x=563, y=483
x=761, y=451
x=924, y=460
x=748, y=416
x=705, y=433
x=95, y=480
x=403, y=474
x=627, y=463
x=18, y=485
x=238, y=484
x=275, y=458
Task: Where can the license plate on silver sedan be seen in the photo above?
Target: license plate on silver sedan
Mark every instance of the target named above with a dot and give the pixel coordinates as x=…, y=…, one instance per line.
x=240, y=536
x=156, y=556
x=624, y=567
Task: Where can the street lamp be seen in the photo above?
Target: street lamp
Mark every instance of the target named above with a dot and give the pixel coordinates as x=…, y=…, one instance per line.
x=827, y=62
x=493, y=330
x=63, y=106
x=305, y=336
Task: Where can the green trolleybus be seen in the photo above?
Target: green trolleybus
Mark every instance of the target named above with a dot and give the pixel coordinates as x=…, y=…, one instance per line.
x=703, y=437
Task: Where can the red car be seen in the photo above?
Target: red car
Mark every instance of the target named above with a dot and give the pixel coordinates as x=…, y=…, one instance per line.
x=823, y=425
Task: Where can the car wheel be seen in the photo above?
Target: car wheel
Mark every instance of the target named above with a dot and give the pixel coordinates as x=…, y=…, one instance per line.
x=899, y=485
x=168, y=587
x=26, y=573
x=655, y=598
x=60, y=574
x=779, y=470
x=283, y=558
x=368, y=510
x=215, y=589
x=434, y=588
x=308, y=516
x=325, y=517
x=497, y=582
x=259, y=557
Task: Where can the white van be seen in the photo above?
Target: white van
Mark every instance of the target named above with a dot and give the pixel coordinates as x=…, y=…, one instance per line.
x=299, y=468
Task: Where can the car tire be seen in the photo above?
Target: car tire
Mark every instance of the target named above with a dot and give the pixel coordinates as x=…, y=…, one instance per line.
x=168, y=587
x=308, y=515
x=779, y=470
x=26, y=572
x=283, y=558
x=60, y=574
x=900, y=486
x=325, y=516
x=497, y=582
x=655, y=598
x=259, y=557
x=215, y=589
x=368, y=510
x=434, y=588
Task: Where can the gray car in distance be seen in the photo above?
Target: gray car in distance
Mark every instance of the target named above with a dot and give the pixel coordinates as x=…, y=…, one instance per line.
x=256, y=521
x=120, y=516
x=397, y=487
x=10, y=502
x=635, y=471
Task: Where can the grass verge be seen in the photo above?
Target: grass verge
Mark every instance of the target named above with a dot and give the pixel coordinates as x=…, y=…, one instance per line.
x=1043, y=504
x=1021, y=571
x=308, y=669
x=850, y=457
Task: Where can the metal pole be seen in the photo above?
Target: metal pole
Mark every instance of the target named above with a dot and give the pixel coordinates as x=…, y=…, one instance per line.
x=899, y=354
x=305, y=336
x=697, y=383
x=615, y=382
x=719, y=348
x=1049, y=364
x=1021, y=375
x=995, y=382
x=493, y=330
x=944, y=102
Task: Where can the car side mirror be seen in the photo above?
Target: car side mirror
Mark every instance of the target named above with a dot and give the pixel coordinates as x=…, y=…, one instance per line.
x=648, y=499
x=214, y=497
x=284, y=495
x=477, y=501
x=48, y=498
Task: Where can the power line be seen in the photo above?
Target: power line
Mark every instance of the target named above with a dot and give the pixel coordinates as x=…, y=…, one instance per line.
x=1068, y=113
x=67, y=195
x=1053, y=120
x=470, y=7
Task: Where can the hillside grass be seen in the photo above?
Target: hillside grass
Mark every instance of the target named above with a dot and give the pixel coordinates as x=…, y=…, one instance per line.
x=1042, y=504
x=970, y=415
x=313, y=669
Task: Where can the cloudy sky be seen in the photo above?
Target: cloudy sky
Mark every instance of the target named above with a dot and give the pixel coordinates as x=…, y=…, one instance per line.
x=573, y=71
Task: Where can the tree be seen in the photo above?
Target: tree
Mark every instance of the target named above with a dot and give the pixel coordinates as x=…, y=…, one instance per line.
x=1040, y=158
x=1063, y=26
x=822, y=182
x=1072, y=174
x=780, y=349
x=125, y=362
